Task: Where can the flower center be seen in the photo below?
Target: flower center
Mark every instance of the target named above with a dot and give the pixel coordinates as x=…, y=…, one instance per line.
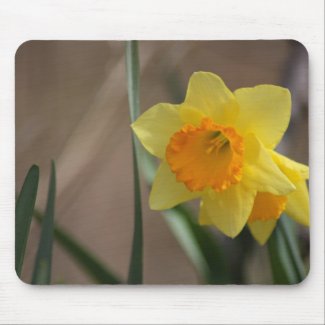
x=267, y=207
x=210, y=155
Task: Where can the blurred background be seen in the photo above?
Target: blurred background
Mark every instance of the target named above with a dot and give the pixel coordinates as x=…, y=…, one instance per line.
x=71, y=106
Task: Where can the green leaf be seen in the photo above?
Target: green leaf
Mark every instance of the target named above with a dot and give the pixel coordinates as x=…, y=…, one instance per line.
x=42, y=268
x=287, y=265
x=136, y=262
x=82, y=256
x=24, y=211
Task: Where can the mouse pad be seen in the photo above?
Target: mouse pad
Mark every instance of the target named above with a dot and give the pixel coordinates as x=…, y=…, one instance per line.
x=162, y=162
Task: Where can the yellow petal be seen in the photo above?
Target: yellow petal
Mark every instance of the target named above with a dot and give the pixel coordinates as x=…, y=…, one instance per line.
x=166, y=192
x=155, y=127
x=262, y=230
x=260, y=171
x=190, y=115
x=227, y=210
x=293, y=170
x=265, y=111
x=298, y=204
x=208, y=93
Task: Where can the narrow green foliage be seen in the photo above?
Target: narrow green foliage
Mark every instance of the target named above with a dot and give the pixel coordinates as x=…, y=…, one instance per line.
x=42, y=267
x=24, y=211
x=287, y=265
x=82, y=256
x=136, y=262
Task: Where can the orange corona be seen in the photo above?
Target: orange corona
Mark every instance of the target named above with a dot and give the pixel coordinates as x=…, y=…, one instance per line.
x=267, y=207
x=210, y=155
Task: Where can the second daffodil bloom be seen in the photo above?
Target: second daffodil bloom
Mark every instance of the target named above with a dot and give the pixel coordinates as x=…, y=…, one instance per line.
x=218, y=146
x=268, y=207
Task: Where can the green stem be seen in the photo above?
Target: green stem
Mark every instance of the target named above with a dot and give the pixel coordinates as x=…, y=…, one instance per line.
x=286, y=263
x=132, y=66
x=293, y=248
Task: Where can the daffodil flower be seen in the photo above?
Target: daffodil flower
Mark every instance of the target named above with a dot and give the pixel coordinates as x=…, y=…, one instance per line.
x=217, y=146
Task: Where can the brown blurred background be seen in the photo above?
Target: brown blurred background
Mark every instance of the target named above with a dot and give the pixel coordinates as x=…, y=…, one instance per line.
x=71, y=106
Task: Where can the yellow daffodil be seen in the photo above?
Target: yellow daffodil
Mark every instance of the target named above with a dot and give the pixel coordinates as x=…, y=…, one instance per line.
x=217, y=146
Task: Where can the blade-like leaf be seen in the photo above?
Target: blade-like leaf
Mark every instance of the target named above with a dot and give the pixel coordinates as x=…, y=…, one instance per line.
x=42, y=268
x=286, y=263
x=24, y=211
x=82, y=256
x=132, y=66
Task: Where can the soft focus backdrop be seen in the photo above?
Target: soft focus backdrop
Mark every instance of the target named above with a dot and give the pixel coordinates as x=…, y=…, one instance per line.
x=71, y=106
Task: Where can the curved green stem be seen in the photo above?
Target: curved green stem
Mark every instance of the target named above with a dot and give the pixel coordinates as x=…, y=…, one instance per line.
x=132, y=66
